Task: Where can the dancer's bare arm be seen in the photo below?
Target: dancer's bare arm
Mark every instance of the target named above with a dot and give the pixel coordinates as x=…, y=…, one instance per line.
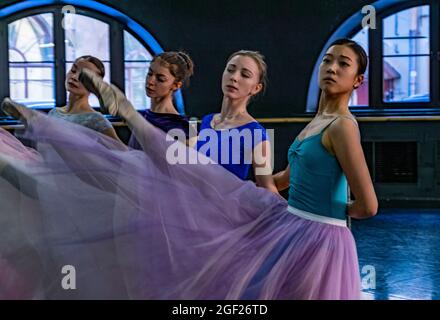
x=345, y=142
x=262, y=166
x=191, y=142
x=282, y=179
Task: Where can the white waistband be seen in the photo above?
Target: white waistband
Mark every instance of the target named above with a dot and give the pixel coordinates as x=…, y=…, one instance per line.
x=317, y=217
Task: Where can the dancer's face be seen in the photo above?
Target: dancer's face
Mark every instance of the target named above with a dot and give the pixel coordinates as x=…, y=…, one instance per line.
x=160, y=82
x=241, y=78
x=338, y=71
x=73, y=85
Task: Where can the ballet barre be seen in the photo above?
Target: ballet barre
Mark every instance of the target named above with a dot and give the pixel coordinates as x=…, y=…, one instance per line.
x=121, y=123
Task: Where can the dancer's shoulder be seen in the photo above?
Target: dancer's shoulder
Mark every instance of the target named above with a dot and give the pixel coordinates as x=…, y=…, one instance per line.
x=348, y=118
x=343, y=127
x=97, y=121
x=209, y=116
x=58, y=110
x=206, y=120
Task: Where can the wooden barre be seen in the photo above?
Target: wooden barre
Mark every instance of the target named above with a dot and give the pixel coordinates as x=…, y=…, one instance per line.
x=288, y=120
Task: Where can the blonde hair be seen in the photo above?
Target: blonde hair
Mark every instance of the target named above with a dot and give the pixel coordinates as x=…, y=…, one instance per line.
x=259, y=60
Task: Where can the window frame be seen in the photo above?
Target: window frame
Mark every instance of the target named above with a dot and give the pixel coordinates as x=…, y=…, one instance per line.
x=117, y=25
x=376, y=105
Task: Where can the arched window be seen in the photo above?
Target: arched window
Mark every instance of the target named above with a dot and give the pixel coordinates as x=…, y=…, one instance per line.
x=403, y=54
x=44, y=38
x=32, y=59
x=137, y=60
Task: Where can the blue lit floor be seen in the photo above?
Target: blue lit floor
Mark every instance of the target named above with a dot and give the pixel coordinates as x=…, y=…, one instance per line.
x=403, y=246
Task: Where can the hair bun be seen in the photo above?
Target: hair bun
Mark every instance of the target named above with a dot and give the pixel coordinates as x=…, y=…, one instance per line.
x=178, y=63
x=188, y=62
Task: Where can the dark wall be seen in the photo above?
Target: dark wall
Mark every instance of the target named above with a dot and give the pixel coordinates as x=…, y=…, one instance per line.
x=289, y=33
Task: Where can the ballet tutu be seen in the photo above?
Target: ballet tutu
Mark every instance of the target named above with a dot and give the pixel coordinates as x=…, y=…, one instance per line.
x=20, y=265
x=135, y=226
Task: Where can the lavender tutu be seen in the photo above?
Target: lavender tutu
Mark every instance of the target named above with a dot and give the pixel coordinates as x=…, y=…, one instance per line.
x=20, y=265
x=135, y=226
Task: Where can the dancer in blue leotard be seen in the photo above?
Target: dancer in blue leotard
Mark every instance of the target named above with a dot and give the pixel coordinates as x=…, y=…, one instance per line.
x=243, y=79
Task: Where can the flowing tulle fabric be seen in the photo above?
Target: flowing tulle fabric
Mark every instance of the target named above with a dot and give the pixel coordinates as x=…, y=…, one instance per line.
x=135, y=226
x=21, y=270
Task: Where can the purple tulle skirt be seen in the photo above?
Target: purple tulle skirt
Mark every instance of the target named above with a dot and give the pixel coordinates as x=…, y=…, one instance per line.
x=134, y=226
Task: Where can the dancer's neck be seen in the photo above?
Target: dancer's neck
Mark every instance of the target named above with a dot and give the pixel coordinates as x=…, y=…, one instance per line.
x=78, y=104
x=163, y=105
x=333, y=105
x=233, y=110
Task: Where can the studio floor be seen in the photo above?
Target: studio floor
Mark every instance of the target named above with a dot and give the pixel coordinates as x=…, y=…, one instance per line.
x=402, y=249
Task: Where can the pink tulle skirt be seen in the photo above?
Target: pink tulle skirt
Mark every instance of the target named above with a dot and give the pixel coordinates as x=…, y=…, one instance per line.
x=134, y=226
